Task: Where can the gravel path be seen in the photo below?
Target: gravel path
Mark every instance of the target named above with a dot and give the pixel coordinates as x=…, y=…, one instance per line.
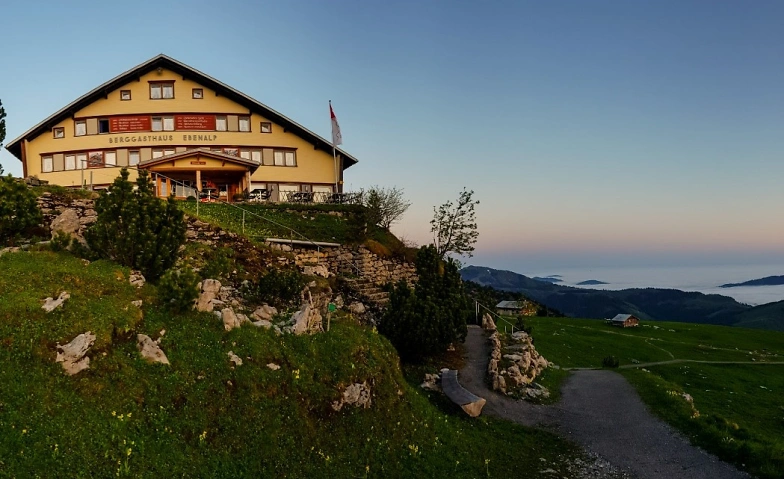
x=602, y=412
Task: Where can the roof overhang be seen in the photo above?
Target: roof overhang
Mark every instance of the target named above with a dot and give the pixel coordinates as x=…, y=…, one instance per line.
x=200, y=153
x=163, y=61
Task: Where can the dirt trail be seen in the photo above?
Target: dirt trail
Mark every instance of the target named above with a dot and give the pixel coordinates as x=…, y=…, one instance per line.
x=602, y=412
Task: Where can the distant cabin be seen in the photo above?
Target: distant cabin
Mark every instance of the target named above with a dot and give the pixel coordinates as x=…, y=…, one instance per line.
x=508, y=307
x=624, y=321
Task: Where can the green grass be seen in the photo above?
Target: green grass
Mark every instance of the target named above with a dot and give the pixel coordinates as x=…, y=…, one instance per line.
x=314, y=222
x=740, y=406
x=201, y=418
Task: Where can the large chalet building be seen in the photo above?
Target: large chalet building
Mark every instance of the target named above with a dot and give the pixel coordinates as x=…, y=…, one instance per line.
x=189, y=130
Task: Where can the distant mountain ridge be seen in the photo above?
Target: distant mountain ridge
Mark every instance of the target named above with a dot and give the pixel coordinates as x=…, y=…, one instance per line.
x=588, y=282
x=646, y=303
x=766, y=281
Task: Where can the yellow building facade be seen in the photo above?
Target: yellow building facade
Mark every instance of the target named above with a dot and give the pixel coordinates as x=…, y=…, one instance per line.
x=192, y=132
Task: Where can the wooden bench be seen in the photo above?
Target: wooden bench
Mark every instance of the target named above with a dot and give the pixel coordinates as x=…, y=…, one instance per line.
x=471, y=403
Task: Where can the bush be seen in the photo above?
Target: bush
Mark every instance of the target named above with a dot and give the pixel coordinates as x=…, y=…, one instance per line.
x=220, y=264
x=19, y=210
x=610, y=362
x=191, y=199
x=425, y=320
x=178, y=289
x=135, y=228
x=277, y=288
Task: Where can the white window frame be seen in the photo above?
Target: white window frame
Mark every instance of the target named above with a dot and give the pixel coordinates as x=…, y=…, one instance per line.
x=70, y=162
x=168, y=151
x=134, y=157
x=244, y=124
x=80, y=128
x=291, y=158
x=168, y=123
x=221, y=123
x=279, y=154
x=156, y=91
x=168, y=91
x=125, y=95
x=157, y=153
x=110, y=158
x=265, y=127
x=47, y=164
x=58, y=132
x=255, y=156
x=81, y=161
x=159, y=120
x=245, y=154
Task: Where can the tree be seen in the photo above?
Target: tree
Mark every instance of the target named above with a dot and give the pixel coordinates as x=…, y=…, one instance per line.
x=18, y=208
x=2, y=127
x=385, y=205
x=135, y=228
x=431, y=316
x=454, y=226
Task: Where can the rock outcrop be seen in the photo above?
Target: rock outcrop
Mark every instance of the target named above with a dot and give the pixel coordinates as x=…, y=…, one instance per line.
x=151, y=350
x=236, y=360
x=72, y=356
x=208, y=292
x=50, y=303
x=137, y=279
x=67, y=223
x=487, y=322
x=355, y=395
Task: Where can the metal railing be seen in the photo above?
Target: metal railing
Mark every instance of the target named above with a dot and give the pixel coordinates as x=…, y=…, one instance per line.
x=500, y=318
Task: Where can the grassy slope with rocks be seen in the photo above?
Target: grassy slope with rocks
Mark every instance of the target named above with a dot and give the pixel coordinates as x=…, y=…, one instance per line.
x=740, y=407
x=200, y=417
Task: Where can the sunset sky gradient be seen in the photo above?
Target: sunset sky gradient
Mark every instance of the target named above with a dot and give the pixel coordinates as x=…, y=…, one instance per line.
x=593, y=133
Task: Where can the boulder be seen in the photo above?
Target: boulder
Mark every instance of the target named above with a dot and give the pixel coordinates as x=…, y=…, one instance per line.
x=318, y=270
x=232, y=320
x=264, y=311
x=138, y=303
x=137, y=279
x=307, y=320
x=357, y=308
x=355, y=395
x=209, y=289
x=487, y=322
x=234, y=359
x=263, y=323
x=513, y=357
x=273, y=366
x=431, y=382
x=338, y=301
x=72, y=356
x=50, y=304
x=150, y=350
x=68, y=223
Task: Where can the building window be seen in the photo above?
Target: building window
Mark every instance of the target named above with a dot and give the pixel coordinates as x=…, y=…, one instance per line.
x=279, y=159
x=161, y=90
x=133, y=158
x=81, y=161
x=244, y=123
x=70, y=162
x=125, y=95
x=168, y=152
x=157, y=123
x=110, y=158
x=220, y=123
x=46, y=164
x=103, y=125
x=245, y=154
x=58, y=132
x=157, y=153
x=266, y=127
x=80, y=128
x=198, y=93
x=255, y=155
x=291, y=159
x=168, y=123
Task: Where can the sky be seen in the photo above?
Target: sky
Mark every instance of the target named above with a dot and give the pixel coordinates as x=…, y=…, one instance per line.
x=593, y=133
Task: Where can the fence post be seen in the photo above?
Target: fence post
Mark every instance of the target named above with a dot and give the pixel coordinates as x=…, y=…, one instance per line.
x=243, y=221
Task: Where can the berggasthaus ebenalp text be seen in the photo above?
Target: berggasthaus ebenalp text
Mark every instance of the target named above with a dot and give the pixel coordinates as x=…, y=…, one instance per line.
x=194, y=134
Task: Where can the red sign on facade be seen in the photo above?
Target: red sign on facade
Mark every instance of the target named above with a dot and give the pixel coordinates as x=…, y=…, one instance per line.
x=194, y=122
x=125, y=124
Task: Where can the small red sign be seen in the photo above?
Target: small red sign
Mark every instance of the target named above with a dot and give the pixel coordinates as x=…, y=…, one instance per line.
x=195, y=122
x=126, y=124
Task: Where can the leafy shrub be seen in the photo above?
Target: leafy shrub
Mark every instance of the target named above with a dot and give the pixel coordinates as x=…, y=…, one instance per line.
x=610, y=362
x=19, y=210
x=191, y=199
x=522, y=325
x=358, y=224
x=430, y=317
x=135, y=228
x=61, y=241
x=219, y=264
x=278, y=288
x=178, y=289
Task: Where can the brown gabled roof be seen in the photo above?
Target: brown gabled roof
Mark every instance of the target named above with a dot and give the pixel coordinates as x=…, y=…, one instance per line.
x=163, y=61
x=205, y=152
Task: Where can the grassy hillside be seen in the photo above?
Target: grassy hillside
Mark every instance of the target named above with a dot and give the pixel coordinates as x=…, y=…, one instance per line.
x=769, y=316
x=739, y=407
x=315, y=222
x=200, y=417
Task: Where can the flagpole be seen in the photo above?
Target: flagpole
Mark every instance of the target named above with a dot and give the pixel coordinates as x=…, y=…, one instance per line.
x=334, y=156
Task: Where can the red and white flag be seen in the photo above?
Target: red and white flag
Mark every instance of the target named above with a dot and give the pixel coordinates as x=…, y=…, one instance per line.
x=337, y=138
